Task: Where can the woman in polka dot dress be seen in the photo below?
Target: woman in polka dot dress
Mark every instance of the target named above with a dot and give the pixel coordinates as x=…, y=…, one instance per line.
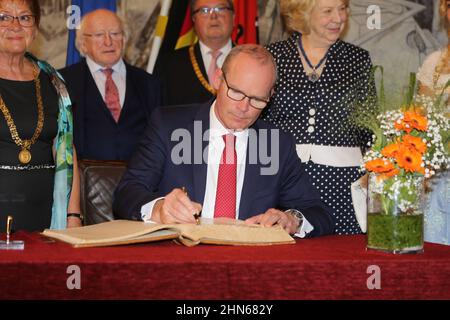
x=320, y=79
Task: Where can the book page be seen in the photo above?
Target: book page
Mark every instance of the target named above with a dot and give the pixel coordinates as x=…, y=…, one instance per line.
x=112, y=231
x=211, y=231
x=231, y=232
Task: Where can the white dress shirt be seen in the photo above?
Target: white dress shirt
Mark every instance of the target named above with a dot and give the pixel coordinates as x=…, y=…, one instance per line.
x=119, y=76
x=215, y=150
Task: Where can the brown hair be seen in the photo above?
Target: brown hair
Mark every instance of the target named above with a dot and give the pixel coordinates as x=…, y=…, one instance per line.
x=35, y=9
x=296, y=14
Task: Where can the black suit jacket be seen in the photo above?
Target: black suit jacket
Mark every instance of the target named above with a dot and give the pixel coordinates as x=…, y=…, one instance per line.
x=96, y=134
x=152, y=171
x=179, y=82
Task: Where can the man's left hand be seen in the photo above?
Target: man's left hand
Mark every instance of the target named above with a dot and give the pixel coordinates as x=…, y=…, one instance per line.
x=274, y=216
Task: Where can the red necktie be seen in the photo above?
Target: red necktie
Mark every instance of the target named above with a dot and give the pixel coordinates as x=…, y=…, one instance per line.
x=111, y=95
x=226, y=183
x=213, y=65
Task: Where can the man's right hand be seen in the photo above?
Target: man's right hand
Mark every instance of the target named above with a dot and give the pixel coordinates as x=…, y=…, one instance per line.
x=176, y=207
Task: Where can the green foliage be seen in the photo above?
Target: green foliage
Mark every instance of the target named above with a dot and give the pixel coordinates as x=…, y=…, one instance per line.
x=394, y=233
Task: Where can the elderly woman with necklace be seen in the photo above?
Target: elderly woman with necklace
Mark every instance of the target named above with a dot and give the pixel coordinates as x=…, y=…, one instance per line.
x=321, y=78
x=39, y=184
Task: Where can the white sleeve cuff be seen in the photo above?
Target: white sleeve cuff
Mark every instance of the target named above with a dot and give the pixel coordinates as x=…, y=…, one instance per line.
x=147, y=209
x=304, y=229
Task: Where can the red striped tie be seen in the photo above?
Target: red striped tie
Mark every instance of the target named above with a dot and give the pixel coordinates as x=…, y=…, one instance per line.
x=226, y=183
x=112, y=95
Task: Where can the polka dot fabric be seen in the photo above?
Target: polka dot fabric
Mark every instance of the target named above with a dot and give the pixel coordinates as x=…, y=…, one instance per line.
x=317, y=113
x=334, y=186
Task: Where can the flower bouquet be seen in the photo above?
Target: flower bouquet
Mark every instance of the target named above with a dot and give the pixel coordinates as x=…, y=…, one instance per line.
x=409, y=145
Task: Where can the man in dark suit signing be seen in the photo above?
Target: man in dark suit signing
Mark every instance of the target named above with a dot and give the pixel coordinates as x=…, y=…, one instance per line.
x=186, y=73
x=112, y=99
x=219, y=158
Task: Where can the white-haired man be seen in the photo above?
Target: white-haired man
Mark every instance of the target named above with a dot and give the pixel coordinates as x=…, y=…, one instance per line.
x=112, y=99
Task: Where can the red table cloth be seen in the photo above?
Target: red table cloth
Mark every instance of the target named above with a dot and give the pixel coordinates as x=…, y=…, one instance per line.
x=332, y=267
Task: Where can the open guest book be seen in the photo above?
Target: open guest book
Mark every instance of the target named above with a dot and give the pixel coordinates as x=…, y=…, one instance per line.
x=220, y=231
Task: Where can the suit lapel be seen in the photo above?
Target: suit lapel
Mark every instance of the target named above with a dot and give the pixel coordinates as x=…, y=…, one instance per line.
x=200, y=167
x=129, y=92
x=252, y=173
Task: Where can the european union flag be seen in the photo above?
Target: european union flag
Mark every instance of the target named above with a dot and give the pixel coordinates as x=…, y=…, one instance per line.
x=73, y=56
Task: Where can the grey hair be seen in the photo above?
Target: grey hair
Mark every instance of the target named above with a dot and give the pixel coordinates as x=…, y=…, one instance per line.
x=82, y=26
x=257, y=52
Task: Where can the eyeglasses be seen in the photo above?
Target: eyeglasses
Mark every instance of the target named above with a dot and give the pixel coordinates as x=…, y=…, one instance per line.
x=237, y=95
x=101, y=36
x=205, y=11
x=26, y=20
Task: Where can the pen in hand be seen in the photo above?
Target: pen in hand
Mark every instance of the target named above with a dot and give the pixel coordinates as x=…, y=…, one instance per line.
x=196, y=214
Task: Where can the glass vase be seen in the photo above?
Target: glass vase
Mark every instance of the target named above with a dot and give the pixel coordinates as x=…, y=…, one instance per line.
x=395, y=213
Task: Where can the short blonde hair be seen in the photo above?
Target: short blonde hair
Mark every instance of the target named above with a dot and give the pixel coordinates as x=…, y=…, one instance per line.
x=296, y=14
x=443, y=13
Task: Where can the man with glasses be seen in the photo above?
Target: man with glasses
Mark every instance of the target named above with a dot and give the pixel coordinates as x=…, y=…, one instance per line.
x=210, y=159
x=112, y=99
x=186, y=73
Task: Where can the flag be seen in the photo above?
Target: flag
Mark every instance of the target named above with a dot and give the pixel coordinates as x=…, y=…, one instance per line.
x=85, y=6
x=160, y=31
x=245, y=22
x=187, y=35
x=177, y=14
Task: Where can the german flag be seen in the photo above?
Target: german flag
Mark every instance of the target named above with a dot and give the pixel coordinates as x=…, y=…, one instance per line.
x=187, y=34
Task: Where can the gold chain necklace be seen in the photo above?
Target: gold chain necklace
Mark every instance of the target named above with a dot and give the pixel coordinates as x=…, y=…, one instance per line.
x=198, y=73
x=25, y=145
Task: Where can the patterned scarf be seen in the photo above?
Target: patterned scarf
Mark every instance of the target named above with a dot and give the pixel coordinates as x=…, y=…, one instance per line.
x=63, y=145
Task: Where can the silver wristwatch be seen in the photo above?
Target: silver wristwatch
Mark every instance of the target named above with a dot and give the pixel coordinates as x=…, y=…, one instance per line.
x=297, y=214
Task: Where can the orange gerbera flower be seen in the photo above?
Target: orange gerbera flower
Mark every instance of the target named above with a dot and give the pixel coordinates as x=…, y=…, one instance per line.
x=379, y=165
x=411, y=120
x=410, y=160
x=390, y=150
x=415, y=120
x=391, y=173
x=401, y=125
x=414, y=142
